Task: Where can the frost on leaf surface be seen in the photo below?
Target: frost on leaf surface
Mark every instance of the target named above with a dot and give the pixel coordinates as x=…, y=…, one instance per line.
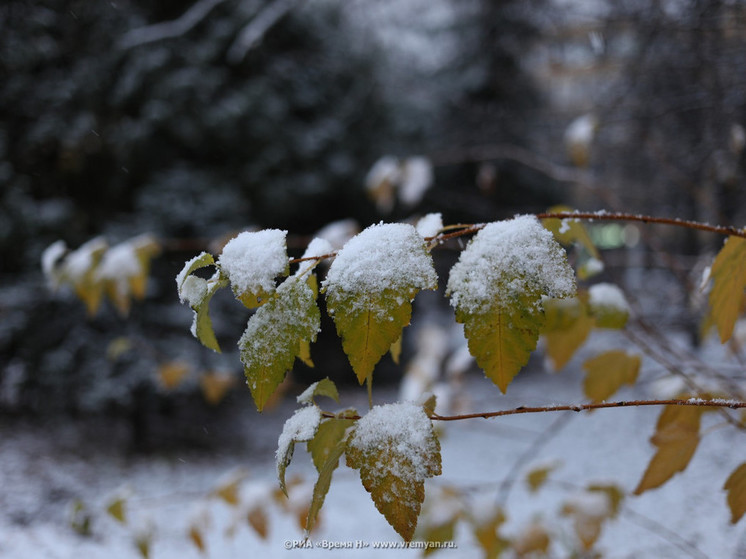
x=370, y=287
x=395, y=449
x=497, y=287
x=300, y=427
x=252, y=261
x=274, y=336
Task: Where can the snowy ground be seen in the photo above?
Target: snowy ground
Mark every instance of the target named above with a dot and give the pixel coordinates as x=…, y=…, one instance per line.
x=45, y=468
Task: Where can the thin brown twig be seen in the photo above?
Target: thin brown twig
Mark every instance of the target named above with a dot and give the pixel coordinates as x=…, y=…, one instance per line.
x=710, y=403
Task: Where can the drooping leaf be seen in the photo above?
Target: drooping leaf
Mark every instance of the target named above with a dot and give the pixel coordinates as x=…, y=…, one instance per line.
x=487, y=533
x=608, y=305
x=329, y=433
x=80, y=518
x=497, y=287
x=537, y=477
x=196, y=537
x=197, y=293
x=272, y=338
x=443, y=532
x=728, y=281
x=251, y=261
x=229, y=489
x=395, y=350
x=321, y=487
x=567, y=326
x=569, y=231
x=143, y=542
x=607, y=372
x=395, y=449
x=735, y=485
x=614, y=493
x=534, y=539
x=215, y=385
x=323, y=387
x=301, y=427
x=79, y=269
x=116, y=509
x=258, y=520
x=370, y=287
x=172, y=373
x=676, y=438
x=589, y=510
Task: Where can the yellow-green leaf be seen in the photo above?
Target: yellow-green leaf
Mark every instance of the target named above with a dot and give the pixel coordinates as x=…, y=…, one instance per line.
x=229, y=490
x=215, y=385
x=79, y=269
x=143, y=542
x=676, y=438
x=395, y=350
x=172, y=373
x=304, y=353
x=395, y=449
x=321, y=487
x=443, y=532
x=608, y=306
x=613, y=492
x=196, y=537
x=487, y=533
x=80, y=518
x=329, y=434
x=258, y=520
x=607, y=372
x=537, y=477
x=323, y=387
x=116, y=509
x=370, y=287
x=301, y=427
x=502, y=342
x=271, y=341
x=497, y=287
x=728, y=281
x=197, y=293
x=569, y=231
x=567, y=325
x=736, y=488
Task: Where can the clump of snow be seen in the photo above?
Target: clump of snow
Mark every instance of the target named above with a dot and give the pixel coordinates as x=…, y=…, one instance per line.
x=430, y=224
x=609, y=297
x=306, y=397
x=337, y=233
x=118, y=264
x=192, y=290
x=403, y=428
x=318, y=247
x=181, y=277
x=505, y=260
x=253, y=260
x=592, y=504
x=81, y=261
x=50, y=258
x=300, y=427
x=384, y=256
x=416, y=179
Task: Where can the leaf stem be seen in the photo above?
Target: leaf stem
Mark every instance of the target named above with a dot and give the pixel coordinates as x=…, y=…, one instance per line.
x=711, y=403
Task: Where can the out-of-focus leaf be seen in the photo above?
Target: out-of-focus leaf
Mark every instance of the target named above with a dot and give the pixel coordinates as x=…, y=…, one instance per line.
x=567, y=326
x=196, y=537
x=258, y=520
x=607, y=372
x=534, y=539
x=215, y=385
x=321, y=487
x=487, y=533
x=538, y=476
x=172, y=373
x=735, y=485
x=116, y=509
x=728, y=274
x=569, y=231
x=323, y=387
x=395, y=350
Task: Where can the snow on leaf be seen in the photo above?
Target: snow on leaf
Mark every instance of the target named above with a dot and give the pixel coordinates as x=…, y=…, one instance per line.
x=729, y=279
x=487, y=532
x=607, y=372
x=567, y=326
x=51, y=259
x=676, y=437
x=197, y=293
x=430, y=225
x=370, y=287
x=323, y=387
x=252, y=261
x=79, y=269
x=395, y=449
x=608, y=305
x=735, y=485
x=589, y=510
x=416, y=179
x=534, y=539
x=497, y=287
x=301, y=427
x=273, y=336
x=123, y=271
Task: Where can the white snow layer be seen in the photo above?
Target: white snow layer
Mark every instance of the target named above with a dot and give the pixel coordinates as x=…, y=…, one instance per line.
x=402, y=427
x=416, y=179
x=383, y=256
x=298, y=428
x=429, y=225
x=608, y=296
x=505, y=260
x=252, y=260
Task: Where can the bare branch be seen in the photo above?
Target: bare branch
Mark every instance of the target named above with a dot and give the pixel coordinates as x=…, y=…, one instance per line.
x=253, y=33
x=168, y=29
